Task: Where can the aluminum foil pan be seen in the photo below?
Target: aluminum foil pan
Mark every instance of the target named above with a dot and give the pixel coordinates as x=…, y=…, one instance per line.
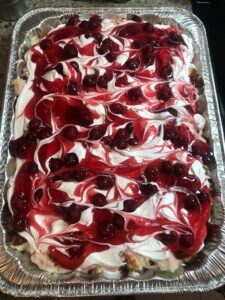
x=18, y=276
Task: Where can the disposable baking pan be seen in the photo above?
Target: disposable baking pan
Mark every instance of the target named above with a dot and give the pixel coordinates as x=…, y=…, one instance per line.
x=18, y=276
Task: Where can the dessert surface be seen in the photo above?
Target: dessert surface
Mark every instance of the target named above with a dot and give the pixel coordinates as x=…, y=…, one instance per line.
x=110, y=157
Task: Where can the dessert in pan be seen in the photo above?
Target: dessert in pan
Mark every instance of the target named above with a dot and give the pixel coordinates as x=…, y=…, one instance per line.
x=111, y=162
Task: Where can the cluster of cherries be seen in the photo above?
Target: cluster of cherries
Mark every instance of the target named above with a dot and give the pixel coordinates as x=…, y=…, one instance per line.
x=123, y=138
x=103, y=182
x=36, y=130
x=145, y=36
x=166, y=173
x=181, y=137
x=192, y=203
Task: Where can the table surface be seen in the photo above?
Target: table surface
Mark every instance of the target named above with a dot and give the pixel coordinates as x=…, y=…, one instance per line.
x=6, y=28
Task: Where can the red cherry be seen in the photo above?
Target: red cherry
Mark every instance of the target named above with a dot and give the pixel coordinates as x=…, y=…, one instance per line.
x=30, y=137
x=208, y=159
x=55, y=164
x=59, y=177
x=117, y=108
x=105, y=182
x=122, y=133
x=180, y=169
x=200, y=148
x=20, y=204
x=89, y=81
x=132, y=64
x=122, y=80
x=111, y=56
x=190, y=182
x=172, y=111
x=59, y=68
x=151, y=174
x=70, y=160
x=19, y=223
x=186, y=240
x=138, y=44
x=83, y=116
x=189, y=109
x=103, y=81
x=77, y=250
x=167, y=167
x=203, y=196
x=148, y=189
x=73, y=20
x=98, y=37
x=75, y=65
x=148, y=27
x=168, y=238
x=98, y=200
x=174, y=38
x=84, y=26
x=129, y=127
x=107, y=140
x=94, y=22
x=135, y=94
x=80, y=174
x=136, y=18
x=32, y=168
x=154, y=42
x=147, y=55
x=34, y=124
x=106, y=230
x=164, y=93
x=73, y=213
x=108, y=46
x=129, y=205
x=44, y=133
x=166, y=72
x=38, y=195
x=118, y=221
x=70, y=51
x=129, y=30
x=132, y=141
x=170, y=132
x=191, y=203
x=70, y=133
x=73, y=87
x=45, y=43
x=181, y=142
x=97, y=132
x=120, y=143
x=17, y=147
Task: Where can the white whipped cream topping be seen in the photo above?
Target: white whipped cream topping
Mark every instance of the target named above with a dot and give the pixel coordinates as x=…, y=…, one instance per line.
x=165, y=203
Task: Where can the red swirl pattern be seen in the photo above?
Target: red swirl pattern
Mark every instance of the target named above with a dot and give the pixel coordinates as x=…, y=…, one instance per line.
x=111, y=129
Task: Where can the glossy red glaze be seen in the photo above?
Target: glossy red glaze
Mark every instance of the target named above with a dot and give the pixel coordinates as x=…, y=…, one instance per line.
x=102, y=112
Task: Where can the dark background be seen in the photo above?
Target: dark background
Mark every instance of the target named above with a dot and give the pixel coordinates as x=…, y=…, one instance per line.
x=212, y=13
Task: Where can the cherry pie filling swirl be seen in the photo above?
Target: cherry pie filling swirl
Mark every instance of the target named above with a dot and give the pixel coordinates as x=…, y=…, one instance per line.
x=108, y=145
